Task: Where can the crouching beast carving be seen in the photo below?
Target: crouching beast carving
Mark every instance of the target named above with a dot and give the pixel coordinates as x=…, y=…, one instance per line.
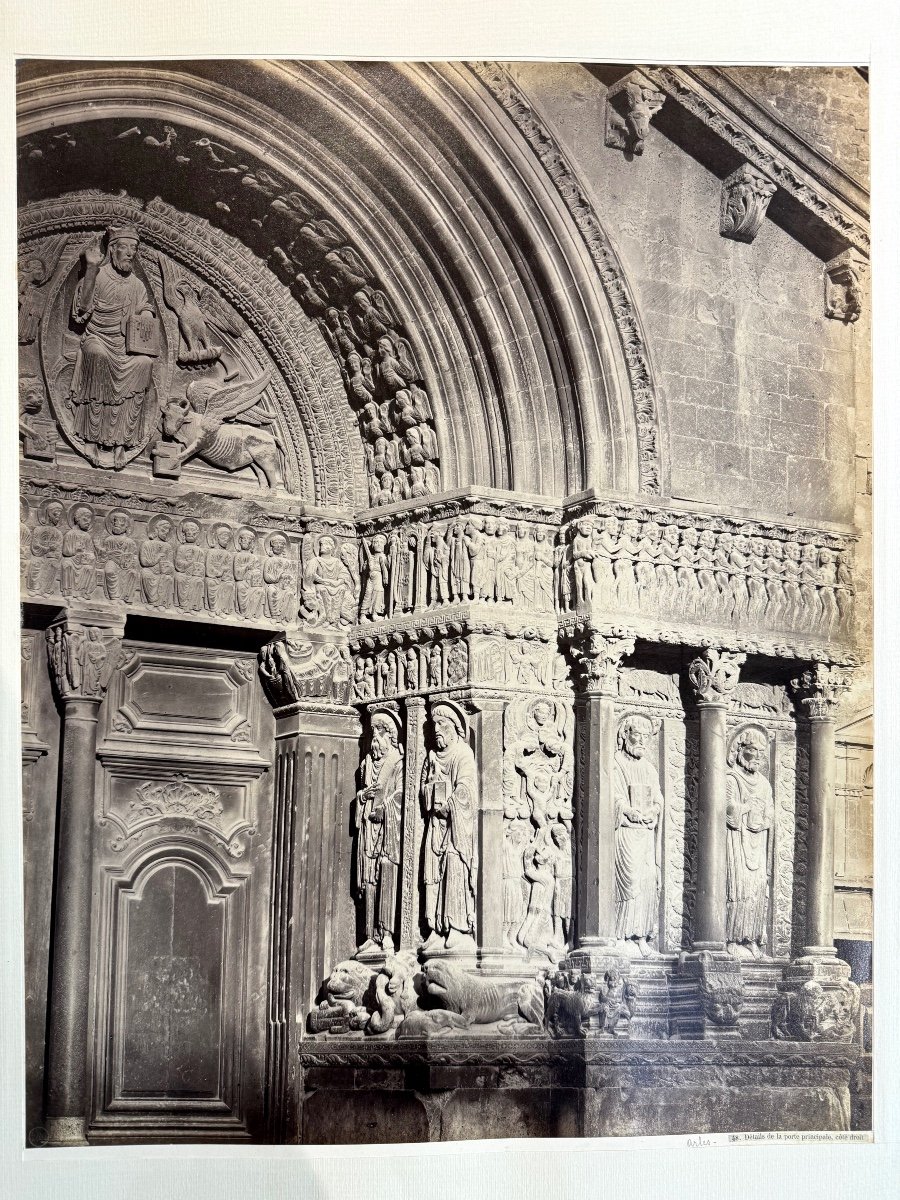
x=348, y=999
x=468, y=1000
x=198, y=423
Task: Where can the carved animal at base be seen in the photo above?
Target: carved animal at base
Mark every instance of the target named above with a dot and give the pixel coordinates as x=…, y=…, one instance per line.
x=469, y=999
x=569, y=1009
x=395, y=992
x=348, y=1001
x=814, y=1014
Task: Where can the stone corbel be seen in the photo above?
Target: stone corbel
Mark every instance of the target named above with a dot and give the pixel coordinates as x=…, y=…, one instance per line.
x=745, y=198
x=631, y=104
x=843, y=286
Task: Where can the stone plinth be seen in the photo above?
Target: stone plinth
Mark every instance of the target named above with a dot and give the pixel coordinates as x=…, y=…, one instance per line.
x=417, y=1091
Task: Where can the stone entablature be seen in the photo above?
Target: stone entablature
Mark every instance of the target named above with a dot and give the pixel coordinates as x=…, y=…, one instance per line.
x=674, y=575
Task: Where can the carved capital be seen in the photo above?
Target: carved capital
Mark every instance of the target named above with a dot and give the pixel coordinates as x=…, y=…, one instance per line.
x=600, y=656
x=294, y=670
x=82, y=658
x=745, y=197
x=631, y=105
x=714, y=675
x=819, y=689
x=843, y=286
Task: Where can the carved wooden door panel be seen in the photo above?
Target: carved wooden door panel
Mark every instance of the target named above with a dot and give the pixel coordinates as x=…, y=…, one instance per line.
x=181, y=896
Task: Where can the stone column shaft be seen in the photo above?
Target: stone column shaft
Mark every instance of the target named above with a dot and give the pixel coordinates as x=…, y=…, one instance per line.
x=820, y=846
x=595, y=754
x=82, y=656
x=70, y=981
x=489, y=758
x=709, y=907
x=713, y=676
x=818, y=690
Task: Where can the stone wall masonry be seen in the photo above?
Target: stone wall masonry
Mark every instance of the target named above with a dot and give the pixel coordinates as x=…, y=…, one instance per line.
x=761, y=387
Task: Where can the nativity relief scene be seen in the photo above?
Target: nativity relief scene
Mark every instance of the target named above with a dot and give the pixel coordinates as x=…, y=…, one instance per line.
x=446, y=584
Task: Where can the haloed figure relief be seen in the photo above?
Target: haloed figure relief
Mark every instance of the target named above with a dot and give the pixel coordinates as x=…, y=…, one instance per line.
x=750, y=815
x=446, y=648
x=379, y=809
x=639, y=805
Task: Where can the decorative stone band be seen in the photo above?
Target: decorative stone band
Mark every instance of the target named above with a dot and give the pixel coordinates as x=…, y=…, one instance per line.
x=669, y=575
x=455, y=653
x=715, y=573
x=193, y=556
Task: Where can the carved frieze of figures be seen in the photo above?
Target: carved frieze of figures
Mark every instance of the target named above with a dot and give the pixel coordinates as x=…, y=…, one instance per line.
x=450, y=797
x=750, y=820
x=378, y=818
x=638, y=820
x=677, y=570
x=487, y=560
x=537, y=816
x=184, y=564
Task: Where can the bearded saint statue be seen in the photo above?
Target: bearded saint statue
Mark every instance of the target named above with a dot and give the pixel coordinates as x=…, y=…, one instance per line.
x=379, y=806
x=639, y=804
x=450, y=789
x=114, y=367
x=750, y=817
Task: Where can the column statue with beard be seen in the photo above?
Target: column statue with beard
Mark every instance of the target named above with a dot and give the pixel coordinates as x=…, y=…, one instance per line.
x=450, y=790
x=750, y=817
x=639, y=804
x=379, y=806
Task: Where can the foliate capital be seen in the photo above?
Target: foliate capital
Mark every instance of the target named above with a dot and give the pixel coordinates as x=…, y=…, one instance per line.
x=714, y=675
x=745, y=197
x=600, y=656
x=82, y=658
x=819, y=688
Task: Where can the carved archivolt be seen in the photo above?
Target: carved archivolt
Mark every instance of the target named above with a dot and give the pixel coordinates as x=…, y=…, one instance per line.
x=502, y=87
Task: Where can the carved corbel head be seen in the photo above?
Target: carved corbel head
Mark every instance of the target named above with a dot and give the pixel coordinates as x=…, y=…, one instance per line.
x=631, y=105
x=843, y=286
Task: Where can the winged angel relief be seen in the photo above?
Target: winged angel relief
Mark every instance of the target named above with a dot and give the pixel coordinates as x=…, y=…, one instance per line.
x=202, y=424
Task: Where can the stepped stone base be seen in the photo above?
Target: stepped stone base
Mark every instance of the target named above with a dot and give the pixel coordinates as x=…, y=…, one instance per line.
x=475, y=1087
